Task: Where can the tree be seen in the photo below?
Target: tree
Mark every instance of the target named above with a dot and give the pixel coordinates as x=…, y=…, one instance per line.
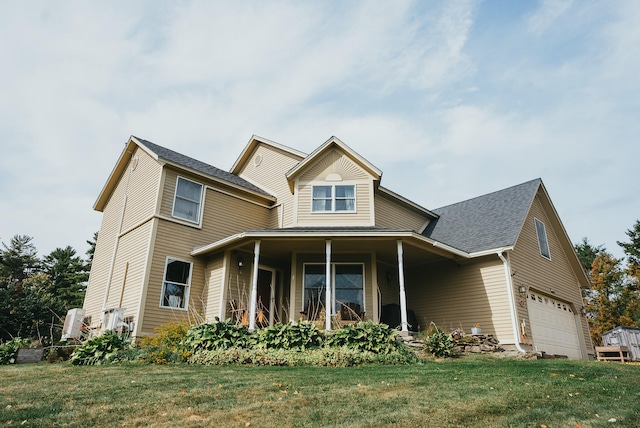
x=19, y=260
x=587, y=253
x=610, y=301
x=632, y=251
x=92, y=249
x=68, y=276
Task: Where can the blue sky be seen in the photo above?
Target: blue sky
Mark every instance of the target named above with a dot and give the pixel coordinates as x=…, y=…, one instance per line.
x=450, y=100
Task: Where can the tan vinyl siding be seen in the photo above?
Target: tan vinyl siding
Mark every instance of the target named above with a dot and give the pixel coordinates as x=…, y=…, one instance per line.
x=169, y=244
x=392, y=215
x=139, y=206
x=270, y=175
x=238, y=287
x=142, y=188
x=362, y=216
x=334, y=162
x=129, y=270
x=223, y=214
x=214, y=285
x=455, y=296
x=540, y=274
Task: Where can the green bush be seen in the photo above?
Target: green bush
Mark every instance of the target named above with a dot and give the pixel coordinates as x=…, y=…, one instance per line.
x=440, y=345
x=9, y=349
x=101, y=349
x=321, y=357
x=166, y=346
x=299, y=336
x=365, y=336
x=217, y=335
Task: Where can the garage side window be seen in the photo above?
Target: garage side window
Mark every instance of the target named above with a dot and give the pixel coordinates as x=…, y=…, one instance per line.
x=175, y=287
x=543, y=243
x=187, y=201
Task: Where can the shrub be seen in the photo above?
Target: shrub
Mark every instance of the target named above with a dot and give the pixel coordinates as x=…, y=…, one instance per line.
x=9, y=349
x=217, y=335
x=299, y=336
x=365, y=336
x=440, y=344
x=166, y=346
x=321, y=357
x=101, y=349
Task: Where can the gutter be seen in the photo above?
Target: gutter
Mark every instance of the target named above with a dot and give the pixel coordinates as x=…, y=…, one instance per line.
x=512, y=303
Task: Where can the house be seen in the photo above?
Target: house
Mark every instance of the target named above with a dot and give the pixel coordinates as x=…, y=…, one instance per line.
x=183, y=240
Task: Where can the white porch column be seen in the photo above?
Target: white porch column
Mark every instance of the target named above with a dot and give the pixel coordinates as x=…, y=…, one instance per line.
x=254, y=286
x=403, y=295
x=328, y=306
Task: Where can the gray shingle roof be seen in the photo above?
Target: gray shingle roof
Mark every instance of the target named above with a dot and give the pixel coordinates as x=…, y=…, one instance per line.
x=194, y=164
x=486, y=222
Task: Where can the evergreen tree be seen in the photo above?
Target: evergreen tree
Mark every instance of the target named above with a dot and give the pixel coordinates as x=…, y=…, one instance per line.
x=68, y=275
x=587, y=253
x=632, y=251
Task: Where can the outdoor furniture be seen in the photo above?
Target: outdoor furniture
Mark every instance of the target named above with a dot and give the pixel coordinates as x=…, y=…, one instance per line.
x=612, y=353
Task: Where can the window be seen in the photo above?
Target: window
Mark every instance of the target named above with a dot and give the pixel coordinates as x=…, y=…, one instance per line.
x=186, y=204
x=175, y=287
x=348, y=287
x=334, y=198
x=542, y=239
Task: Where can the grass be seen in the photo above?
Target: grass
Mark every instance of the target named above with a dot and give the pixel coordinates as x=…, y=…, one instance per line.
x=470, y=391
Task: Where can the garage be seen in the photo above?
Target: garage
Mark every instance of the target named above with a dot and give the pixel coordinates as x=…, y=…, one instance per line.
x=553, y=326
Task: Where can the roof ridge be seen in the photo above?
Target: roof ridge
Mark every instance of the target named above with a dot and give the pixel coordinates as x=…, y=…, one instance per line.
x=489, y=194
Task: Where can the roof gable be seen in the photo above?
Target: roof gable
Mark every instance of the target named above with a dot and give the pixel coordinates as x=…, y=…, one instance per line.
x=329, y=145
x=486, y=222
x=167, y=156
x=253, y=143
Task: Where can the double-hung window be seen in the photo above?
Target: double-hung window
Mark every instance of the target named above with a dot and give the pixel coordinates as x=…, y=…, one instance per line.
x=543, y=243
x=186, y=204
x=175, y=287
x=334, y=198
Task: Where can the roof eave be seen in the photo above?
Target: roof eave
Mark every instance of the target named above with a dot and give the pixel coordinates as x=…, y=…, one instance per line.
x=118, y=169
x=408, y=202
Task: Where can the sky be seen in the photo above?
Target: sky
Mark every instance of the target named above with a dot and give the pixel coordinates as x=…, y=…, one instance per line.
x=451, y=100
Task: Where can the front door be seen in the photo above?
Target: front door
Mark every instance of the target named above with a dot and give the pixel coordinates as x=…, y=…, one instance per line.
x=266, y=297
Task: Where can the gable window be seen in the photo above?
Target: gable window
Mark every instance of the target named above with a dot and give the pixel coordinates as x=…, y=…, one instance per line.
x=175, y=287
x=334, y=198
x=186, y=204
x=347, y=289
x=543, y=243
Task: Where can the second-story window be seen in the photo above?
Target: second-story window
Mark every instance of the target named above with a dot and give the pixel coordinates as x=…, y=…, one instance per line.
x=543, y=242
x=334, y=198
x=186, y=204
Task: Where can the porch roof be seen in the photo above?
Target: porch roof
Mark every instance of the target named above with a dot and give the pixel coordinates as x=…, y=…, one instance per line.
x=357, y=238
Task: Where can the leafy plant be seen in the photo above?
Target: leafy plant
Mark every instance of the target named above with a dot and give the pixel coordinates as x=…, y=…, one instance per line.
x=299, y=336
x=166, y=346
x=440, y=344
x=365, y=336
x=217, y=335
x=9, y=349
x=100, y=350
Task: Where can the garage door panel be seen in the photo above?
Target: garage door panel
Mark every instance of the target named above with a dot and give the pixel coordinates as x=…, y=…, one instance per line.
x=553, y=326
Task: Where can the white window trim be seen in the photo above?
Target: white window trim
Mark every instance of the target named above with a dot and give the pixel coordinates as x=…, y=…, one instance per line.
x=546, y=238
x=201, y=203
x=333, y=281
x=333, y=198
x=187, y=290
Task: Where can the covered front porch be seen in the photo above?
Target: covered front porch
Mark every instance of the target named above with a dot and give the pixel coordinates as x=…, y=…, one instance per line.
x=266, y=276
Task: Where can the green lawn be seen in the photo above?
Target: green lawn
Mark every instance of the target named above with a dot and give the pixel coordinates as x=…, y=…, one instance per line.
x=469, y=391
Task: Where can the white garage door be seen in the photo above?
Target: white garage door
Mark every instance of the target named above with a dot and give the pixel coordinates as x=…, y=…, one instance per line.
x=553, y=326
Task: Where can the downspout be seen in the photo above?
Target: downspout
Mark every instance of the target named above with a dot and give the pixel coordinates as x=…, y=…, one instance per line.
x=512, y=303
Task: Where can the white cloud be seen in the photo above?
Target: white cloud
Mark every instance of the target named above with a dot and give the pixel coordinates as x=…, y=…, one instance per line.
x=549, y=11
